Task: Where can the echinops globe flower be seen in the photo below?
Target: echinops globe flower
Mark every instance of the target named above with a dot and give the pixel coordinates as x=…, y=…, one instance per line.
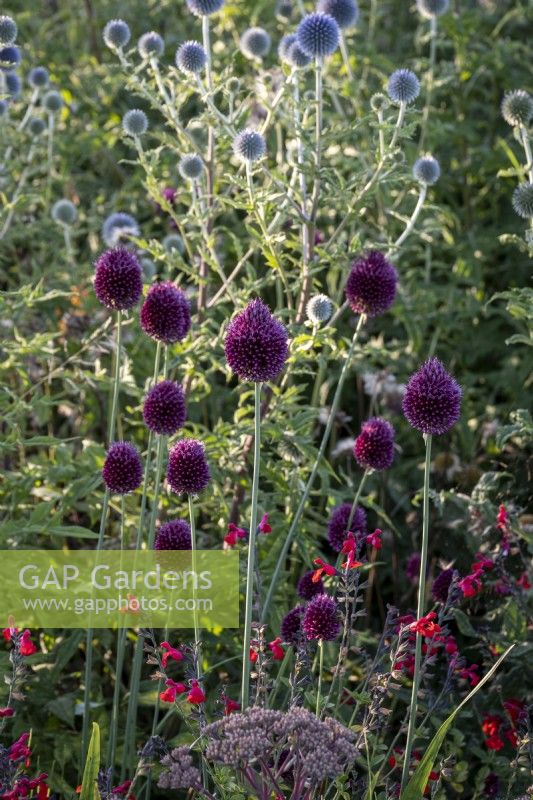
x=38, y=78
x=53, y=102
x=291, y=625
x=426, y=170
x=255, y=43
x=432, y=8
x=285, y=42
x=118, y=279
x=321, y=619
x=13, y=84
x=403, y=86
x=374, y=447
x=188, y=470
x=523, y=200
x=432, y=399
x=191, y=166
x=256, y=344
x=318, y=35
x=116, y=34
x=517, y=107
x=8, y=30
x=174, y=535
x=249, y=145
x=379, y=102
x=123, y=470
x=10, y=57
x=164, y=409
x=308, y=587
x=338, y=524
x=319, y=309
x=344, y=12
x=173, y=243
x=64, y=212
x=118, y=228
x=151, y=45
x=191, y=58
x=371, y=284
x=204, y=8
x=135, y=122
x=36, y=126
x=166, y=313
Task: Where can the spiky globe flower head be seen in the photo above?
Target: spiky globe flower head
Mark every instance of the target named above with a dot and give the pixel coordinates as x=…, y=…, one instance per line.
x=191, y=166
x=52, y=101
x=173, y=243
x=318, y=35
x=123, y=470
x=233, y=85
x=321, y=619
x=116, y=34
x=291, y=625
x=319, y=309
x=307, y=588
x=344, y=12
x=10, y=57
x=8, y=30
x=166, y=313
x=374, y=447
x=36, y=126
x=286, y=42
x=255, y=43
x=135, y=122
x=118, y=279
x=64, y=212
x=118, y=228
x=284, y=9
x=379, y=102
x=432, y=399
x=371, y=284
x=256, y=344
x=523, y=200
x=426, y=170
x=188, y=470
x=164, y=409
x=174, y=535
x=432, y=8
x=249, y=145
x=13, y=84
x=204, y=8
x=517, y=107
x=151, y=45
x=296, y=56
x=338, y=524
x=191, y=57
x=441, y=585
x=403, y=86
x=38, y=78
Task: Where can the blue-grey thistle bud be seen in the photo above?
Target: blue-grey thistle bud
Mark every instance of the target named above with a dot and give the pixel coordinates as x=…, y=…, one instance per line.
x=379, y=102
x=38, y=78
x=204, y=8
x=10, y=57
x=116, y=34
x=191, y=57
x=319, y=309
x=432, y=8
x=52, y=101
x=296, y=56
x=523, y=200
x=151, y=45
x=426, y=170
x=255, y=43
x=191, y=166
x=135, y=122
x=403, y=86
x=517, y=107
x=13, y=84
x=318, y=35
x=8, y=30
x=64, y=212
x=118, y=228
x=173, y=243
x=344, y=12
x=36, y=126
x=249, y=145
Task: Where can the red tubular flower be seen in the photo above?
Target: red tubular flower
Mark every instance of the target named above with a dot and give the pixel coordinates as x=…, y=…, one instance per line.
x=8, y=633
x=19, y=749
x=230, y=705
x=483, y=563
x=278, y=653
x=470, y=674
x=6, y=712
x=170, y=652
x=254, y=655
x=471, y=585
x=234, y=534
x=27, y=648
x=263, y=526
x=523, y=581
x=351, y=562
x=494, y=743
x=491, y=724
x=425, y=626
x=502, y=520
x=196, y=695
x=323, y=569
x=374, y=539
x=122, y=789
x=511, y=737
x=172, y=690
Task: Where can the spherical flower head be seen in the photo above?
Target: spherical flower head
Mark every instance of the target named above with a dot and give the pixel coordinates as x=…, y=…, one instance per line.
x=8, y=30
x=338, y=524
x=255, y=43
x=38, y=78
x=118, y=279
x=64, y=212
x=249, y=145
x=426, y=170
x=135, y=122
x=307, y=588
x=403, y=86
x=188, y=470
x=256, y=344
x=318, y=35
x=191, y=167
x=374, y=447
x=10, y=57
x=36, y=126
x=441, y=585
x=116, y=34
x=344, y=12
x=191, y=57
x=174, y=535
x=321, y=619
x=291, y=625
x=204, y=8
x=118, y=227
x=164, y=410
x=286, y=42
x=284, y=9
x=13, y=84
x=379, y=102
x=166, y=313
x=123, y=470
x=523, y=200
x=53, y=102
x=371, y=284
x=517, y=107
x=319, y=309
x=151, y=45
x=432, y=8
x=296, y=56
x=432, y=399
x=173, y=243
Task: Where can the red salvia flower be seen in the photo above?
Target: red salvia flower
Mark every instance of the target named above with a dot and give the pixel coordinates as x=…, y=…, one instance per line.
x=196, y=695
x=374, y=539
x=263, y=526
x=425, y=626
x=170, y=652
x=230, y=705
x=234, y=534
x=172, y=690
x=278, y=653
x=27, y=648
x=323, y=569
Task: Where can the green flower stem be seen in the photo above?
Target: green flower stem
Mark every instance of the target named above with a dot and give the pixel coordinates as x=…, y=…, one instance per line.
x=414, y=216
x=50, y=149
x=246, y=666
x=398, y=126
x=197, y=647
x=18, y=191
x=430, y=81
x=116, y=382
x=321, y=450
x=121, y=646
x=356, y=200
x=68, y=241
x=381, y=134
x=527, y=149
x=161, y=442
x=420, y=613
x=210, y=163
x=320, y=670
x=345, y=56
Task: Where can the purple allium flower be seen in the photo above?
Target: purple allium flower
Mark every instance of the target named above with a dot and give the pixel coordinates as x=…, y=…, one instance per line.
x=371, y=284
x=118, y=279
x=344, y=12
x=412, y=568
x=123, y=470
x=441, y=585
x=374, y=447
x=256, y=344
x=291, y=625
x=307, y=588
x=432, y=400
x=188, y=470
x=165, y=313
x=321, y=620
x=338, y=524
x=164, y=410
x=204, y=8
x=318, y=35
x=174, y=535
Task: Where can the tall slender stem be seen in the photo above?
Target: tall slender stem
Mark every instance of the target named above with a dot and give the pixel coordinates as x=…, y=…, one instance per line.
x=202, y=293
x=197, y=649
x=399, y=123
x=320, y=669
x=345, y=56
x=51, y=128
x=430, y=81
x=414, y=216
x=116, y=382
x=527, y=149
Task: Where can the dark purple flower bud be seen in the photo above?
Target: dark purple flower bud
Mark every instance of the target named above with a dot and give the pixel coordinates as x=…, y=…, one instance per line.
x=321, y=620
x=412, y=568
x=338, y=524
x=291, y=625
x=441, y=585
x=188, y=470
x=164, y=410
x=174, y=535
x=432, y=400
x=307, y=588
x=256, y=344
x=166, y=313
x=118, y=279
x=371, y=284
x=123, y=470
x=374, y=447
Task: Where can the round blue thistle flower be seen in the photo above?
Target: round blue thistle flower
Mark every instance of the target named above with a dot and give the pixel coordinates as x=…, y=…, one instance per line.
x=255, y=43
x=118, y=228
x=321, y=619
x=432, y=8
x=135, y=122
x=204, y=8
x=173, y=243
x=441, y=585
x=188, y=470
x=374, y=447
x=123, y=470
x=432, y=399
x=53, y=102
x=283, y=47
x=426, y=170
x=256, y=344
x=38, y=78
x=174, y=535
x=338, y=524
x=116, y=34
x=307, y=588
x=296, y=56
x=166, y=313
x=284, y=9
x=523, y=200
x=191, y=57
x=318, y=35
x=291, y=625
x=379, y=102
x=10, y=57
x=371, y=284
x=151, y=45
x=8, y=30
x=403, y=86
x=164, y=409
x=319, y=309
x=344, y=12
x=517, y=107
x=36, y=126
x=4, y=108
x=118, y=279
x=64, y=212
x=13, y=84
x=149, y=268
x=191, y=166
x=249, y=145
